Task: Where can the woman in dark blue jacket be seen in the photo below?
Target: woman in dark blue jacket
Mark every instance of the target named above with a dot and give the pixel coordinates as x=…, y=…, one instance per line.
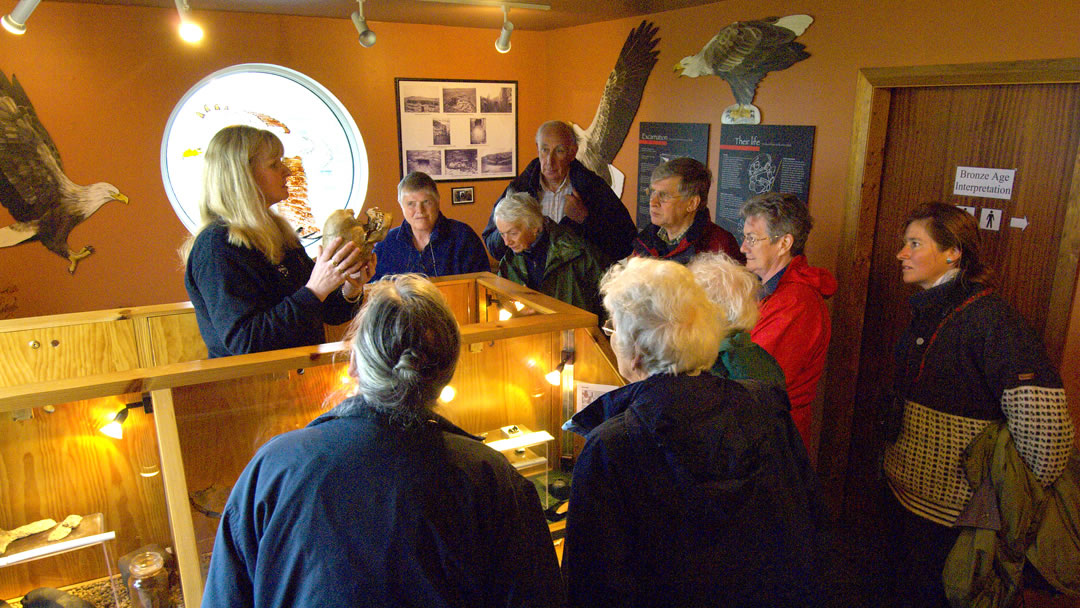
x=380, y=501
x=252, y=285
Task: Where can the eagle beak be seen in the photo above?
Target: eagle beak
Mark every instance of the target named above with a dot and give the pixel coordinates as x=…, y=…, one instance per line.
x=678, y=69
x=120, y=197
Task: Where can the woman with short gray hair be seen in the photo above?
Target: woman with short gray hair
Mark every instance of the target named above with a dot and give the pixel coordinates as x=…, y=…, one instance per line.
x=381, y=501
x=681, y=468
x=546, y=256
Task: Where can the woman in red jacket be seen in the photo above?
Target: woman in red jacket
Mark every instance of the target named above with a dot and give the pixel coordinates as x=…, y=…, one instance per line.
x=794, y=325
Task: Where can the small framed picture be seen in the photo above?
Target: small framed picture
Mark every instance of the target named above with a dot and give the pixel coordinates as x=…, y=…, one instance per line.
x=461, y=196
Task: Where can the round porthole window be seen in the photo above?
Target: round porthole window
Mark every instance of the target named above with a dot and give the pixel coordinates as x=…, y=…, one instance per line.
x=323, y=147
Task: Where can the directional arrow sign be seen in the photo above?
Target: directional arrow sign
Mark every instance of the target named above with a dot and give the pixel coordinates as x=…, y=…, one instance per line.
x=1018, y=222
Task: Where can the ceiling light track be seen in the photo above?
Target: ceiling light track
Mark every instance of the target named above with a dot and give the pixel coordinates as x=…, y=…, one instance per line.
x=496, y=4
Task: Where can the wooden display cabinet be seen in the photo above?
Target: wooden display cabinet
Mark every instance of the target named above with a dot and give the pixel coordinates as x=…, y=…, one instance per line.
x=210, y=416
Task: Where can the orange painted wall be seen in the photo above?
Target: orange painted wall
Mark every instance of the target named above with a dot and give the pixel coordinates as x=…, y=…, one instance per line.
x=104, y=80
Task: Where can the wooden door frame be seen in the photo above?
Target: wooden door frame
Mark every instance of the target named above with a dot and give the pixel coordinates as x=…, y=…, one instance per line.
x=861, y=203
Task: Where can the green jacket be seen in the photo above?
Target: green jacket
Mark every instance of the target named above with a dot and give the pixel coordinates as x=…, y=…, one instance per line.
x=571, y=274
x=984, y=568
x=741, y=359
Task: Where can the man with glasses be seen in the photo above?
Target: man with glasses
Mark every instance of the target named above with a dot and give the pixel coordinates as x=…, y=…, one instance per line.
x=794, y=325
x=570, y=195
x=681, y=227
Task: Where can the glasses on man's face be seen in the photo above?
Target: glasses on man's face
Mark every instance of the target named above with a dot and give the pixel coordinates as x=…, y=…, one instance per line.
x=608, y=327
x=664, y=197
x=752, y=240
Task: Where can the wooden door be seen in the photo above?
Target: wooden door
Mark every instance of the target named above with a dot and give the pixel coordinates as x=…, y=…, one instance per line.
x=913, y=127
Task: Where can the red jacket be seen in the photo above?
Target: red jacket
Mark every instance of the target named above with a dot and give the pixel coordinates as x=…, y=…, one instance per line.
x=795, y=328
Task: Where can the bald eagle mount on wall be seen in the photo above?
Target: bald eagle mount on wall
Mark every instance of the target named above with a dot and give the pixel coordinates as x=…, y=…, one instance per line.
x=46, y=204
x=742, y=53
x=619, y=104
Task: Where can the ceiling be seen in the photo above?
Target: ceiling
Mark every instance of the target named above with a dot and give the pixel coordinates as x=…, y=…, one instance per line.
x=563, y=13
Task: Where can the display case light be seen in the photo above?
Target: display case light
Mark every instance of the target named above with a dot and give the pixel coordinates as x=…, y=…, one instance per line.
x=115, y=427
x=505, y=315
x=448, y=393
x=554, y=377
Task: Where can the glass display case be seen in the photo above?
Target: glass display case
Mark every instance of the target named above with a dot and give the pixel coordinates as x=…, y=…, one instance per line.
x=189, y=428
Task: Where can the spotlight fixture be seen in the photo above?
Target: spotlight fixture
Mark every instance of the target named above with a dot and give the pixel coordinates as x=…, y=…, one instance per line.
x=367, y=37
x=503, y=43
x=190, y=31
x=115, y=427
x=15, y=22
x=447, y=394
x=554, y=377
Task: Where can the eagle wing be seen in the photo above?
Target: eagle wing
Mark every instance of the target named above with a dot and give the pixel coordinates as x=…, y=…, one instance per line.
x=621, y=98
x=28, y=187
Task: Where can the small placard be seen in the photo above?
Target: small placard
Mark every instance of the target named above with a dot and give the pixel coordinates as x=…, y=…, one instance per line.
x=987, y=183
x=990, y=219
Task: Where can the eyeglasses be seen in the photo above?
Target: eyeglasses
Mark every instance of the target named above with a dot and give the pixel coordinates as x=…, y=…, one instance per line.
x=752, y=240
x=665, y=197
x=608, y=327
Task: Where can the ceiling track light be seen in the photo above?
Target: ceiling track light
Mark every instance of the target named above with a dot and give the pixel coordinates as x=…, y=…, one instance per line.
x=15, y=21
x=190, y=31
x=503, y=43
x=367, y=37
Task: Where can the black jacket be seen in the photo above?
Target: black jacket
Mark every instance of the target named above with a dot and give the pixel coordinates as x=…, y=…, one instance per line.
x=691, y=492
x=608, y=225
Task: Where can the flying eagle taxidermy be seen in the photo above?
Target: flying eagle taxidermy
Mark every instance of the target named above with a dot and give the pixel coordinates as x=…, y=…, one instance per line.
x=742, y=53
x=46, y=204
x=622, y=95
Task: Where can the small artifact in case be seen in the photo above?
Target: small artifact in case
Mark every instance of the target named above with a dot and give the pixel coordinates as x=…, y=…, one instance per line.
x=148, y=584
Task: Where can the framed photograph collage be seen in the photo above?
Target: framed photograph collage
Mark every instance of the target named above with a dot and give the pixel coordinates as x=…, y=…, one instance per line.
x=457, y=130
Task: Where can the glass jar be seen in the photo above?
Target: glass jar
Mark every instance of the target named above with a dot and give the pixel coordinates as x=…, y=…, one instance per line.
x=148, y=585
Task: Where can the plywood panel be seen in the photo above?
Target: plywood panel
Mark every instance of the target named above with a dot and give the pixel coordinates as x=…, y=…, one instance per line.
x=57, y=464
x=51, y=353
x=173, y=338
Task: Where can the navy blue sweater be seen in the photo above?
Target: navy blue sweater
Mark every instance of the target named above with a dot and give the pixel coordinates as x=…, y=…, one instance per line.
x=453, y=249
x=245, y=304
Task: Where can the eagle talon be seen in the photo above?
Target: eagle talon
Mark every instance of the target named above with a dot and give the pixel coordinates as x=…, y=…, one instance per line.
x=75, y=257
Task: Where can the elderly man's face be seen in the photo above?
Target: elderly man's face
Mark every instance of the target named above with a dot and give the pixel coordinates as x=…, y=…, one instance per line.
x=420, y=208
x=556, y=152
x=517, y=237
x=668, y=208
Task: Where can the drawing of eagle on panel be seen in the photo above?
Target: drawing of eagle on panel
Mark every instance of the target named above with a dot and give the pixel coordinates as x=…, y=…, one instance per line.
x=742, y=53
x=45, y=204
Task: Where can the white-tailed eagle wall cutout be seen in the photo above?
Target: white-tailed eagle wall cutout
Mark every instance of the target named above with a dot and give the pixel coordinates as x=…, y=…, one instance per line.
x=46, y=204
x=619, y=104
x=742, y=53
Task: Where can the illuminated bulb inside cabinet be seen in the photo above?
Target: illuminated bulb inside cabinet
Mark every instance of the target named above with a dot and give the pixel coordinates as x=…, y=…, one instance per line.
x=554, y=377
x=519, y=306
x=113, y=429
x=448, y=393
x=504, y=314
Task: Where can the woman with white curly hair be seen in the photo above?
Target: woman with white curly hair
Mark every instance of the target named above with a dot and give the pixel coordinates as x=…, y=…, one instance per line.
x=735, y=289
x=381, y=501
x=690, y=490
